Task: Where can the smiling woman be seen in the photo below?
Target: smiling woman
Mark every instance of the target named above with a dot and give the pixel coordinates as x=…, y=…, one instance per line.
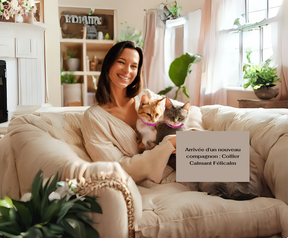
x=109, y=126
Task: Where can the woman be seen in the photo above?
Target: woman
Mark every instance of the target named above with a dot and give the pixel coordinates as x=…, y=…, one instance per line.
x=108, y=126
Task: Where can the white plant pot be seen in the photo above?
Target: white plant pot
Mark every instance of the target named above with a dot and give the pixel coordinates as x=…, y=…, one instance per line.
x=18, y=18
x=73, y=64
x=72, y=93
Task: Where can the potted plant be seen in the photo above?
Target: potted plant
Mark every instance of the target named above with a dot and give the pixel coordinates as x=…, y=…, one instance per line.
x=71, y=88
x=130, y=34
x=261, y=79
x=54, y=209
x=179, y=69
x=169, y=11
x=72, y=62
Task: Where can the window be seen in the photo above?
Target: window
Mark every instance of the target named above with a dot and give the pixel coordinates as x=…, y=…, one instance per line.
x=254, y=33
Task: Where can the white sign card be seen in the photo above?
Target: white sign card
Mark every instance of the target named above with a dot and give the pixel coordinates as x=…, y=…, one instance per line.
x=212, y=156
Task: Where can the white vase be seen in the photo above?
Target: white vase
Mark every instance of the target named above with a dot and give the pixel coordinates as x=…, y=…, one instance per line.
x=72, y=93
x=73, y=64
x=18, y=18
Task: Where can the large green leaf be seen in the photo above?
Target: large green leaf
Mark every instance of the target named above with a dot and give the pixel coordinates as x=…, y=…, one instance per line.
x=166, y=90
x=36, y=191
x=180, y=68
x=63, y=211
x=33, y=232
x=24, y=214
x=95, y=207
x=73, y=227
x=91, y=232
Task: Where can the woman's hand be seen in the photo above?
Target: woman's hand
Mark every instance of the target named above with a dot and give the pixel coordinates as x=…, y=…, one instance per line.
x=173, y=142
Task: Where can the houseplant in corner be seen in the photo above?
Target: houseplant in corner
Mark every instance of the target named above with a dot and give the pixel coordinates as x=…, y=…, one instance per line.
x=261, y=79
x=71, y=88
x=179, y=69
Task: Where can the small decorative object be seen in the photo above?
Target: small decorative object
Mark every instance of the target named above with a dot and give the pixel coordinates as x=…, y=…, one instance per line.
x=107, y=36
x=18, y=18
x=72, y=63
x=94, y=63
x=130, y=34
x=91, y=32
x=100, y=35
x=261, y=79
x=169, y=11
x=52, y=210
x=179, y=70
x=9, y=8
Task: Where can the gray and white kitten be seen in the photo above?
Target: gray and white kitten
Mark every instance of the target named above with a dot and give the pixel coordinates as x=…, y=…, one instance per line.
x=174, y=118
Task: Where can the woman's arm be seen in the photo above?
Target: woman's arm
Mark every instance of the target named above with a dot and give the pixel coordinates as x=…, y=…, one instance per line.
x=102, y=145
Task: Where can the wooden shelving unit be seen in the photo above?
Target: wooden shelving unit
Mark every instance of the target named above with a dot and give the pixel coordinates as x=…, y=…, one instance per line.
x=86, y=48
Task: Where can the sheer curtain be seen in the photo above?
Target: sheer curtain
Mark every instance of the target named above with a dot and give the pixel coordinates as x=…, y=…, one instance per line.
x=153, y=50
x=280, y=48
x=219, y=63
x=163, y=42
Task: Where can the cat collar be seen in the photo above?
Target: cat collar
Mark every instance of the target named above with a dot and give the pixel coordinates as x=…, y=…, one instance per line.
x=174, y=127
x=148, y=124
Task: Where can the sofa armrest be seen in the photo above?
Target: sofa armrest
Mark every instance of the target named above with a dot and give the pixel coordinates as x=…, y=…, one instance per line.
x=118, y=197
x=35, y=149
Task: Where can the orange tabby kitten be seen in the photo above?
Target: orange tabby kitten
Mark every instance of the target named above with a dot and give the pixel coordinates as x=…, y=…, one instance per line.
x=149, y=112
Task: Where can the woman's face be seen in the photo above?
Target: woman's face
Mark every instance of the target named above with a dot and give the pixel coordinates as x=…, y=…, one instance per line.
x=124, y=70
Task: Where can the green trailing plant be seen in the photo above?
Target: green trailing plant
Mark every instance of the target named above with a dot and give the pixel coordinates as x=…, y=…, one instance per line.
x=70, y=54
x=130, y=34
x=46, y=217
x=68, y=78
x=170, y=11
x=256, y=76
x=179, y=69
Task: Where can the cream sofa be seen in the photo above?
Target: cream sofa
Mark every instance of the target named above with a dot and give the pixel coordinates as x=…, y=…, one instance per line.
x=52, y=141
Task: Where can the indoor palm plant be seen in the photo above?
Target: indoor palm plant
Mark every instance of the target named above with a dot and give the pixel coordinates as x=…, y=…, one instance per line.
x=261, y=79
x=179, y=69
x=49, y=211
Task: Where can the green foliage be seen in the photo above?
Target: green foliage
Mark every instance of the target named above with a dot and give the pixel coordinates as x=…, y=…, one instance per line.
x=258, y=77
x=129, y=34
x=68, y=78
x=70, y=54
x=175, y=10
x=179, y=69
x=106, y=37
x=43, y=218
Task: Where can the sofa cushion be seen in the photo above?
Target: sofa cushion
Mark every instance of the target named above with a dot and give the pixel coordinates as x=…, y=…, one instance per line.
x=196, y=214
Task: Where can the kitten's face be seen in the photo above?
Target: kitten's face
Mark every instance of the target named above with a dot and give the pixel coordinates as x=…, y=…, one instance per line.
x=175, y=115
x=150, y=109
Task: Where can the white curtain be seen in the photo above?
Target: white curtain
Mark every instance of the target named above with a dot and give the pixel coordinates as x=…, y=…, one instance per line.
x=279, y=34
x=153, y=49
x=161, y=47
x=219, y=63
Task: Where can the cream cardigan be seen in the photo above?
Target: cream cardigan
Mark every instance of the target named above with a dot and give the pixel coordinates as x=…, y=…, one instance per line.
x=107, y=138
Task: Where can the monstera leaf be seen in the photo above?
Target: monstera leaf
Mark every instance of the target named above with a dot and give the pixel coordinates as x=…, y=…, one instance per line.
x=179, y=69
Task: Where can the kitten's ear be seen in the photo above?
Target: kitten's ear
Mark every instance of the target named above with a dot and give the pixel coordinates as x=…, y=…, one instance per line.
x=186, y=106
x=159, y=100
x=144, y=100
x=168, y=103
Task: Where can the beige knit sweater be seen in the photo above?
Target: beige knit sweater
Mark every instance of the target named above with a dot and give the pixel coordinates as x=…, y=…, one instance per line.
x=107, y=138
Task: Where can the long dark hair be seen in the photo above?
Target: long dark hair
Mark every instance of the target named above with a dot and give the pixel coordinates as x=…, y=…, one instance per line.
x=103, y=86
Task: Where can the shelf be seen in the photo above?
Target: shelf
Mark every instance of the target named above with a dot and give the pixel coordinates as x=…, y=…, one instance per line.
x=89, y=73
x=87, y=49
